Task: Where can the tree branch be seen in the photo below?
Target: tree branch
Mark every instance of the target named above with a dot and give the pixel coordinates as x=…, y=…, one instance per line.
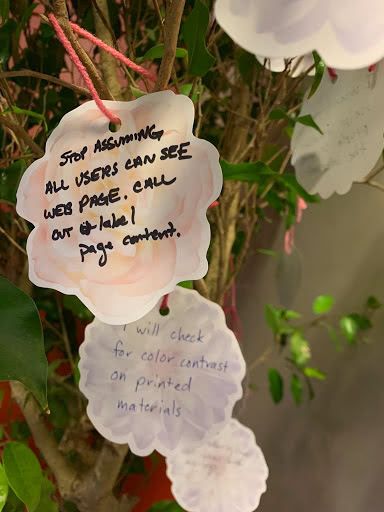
x=171, y=33
x=65, y=474
x=60, y=11
x=48, y=78
x=109, y=66
x=19, y=131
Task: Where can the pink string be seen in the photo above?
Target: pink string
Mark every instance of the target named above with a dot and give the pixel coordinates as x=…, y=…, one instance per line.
x=115, y=53
x=164, y=302
x=372, y=68
x=75, y=59
x=332, y=74
x=289, y=237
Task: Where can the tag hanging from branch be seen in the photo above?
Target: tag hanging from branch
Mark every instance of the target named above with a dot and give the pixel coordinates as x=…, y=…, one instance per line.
x=347, y=35
x=349, y=113
x=120, y=217
x=226, y=472
x=164, y=381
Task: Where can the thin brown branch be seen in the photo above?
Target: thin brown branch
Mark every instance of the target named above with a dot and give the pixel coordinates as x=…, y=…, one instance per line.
x=173, y=17
x=64, y=473
x=12, y=241
x=42, y=76
x=60, y=11
x=19, y=131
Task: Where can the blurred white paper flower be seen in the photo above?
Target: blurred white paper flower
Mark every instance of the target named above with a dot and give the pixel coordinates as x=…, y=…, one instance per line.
x=349, y=112
x=226, y=473
x=163, y=381
x=348, y=35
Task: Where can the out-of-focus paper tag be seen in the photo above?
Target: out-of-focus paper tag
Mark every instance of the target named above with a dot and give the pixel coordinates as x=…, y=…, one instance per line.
x=349, y=112
x=227, y=472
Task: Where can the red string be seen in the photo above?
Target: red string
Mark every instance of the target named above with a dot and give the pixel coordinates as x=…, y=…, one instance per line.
x=164, y=302
x=332, y=74
x=115, y=53
x=75, y=59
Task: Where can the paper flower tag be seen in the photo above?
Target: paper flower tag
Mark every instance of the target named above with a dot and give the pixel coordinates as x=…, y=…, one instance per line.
x=349, y=112
x=287, y=29
x=162, y=381
x=121, y=216
x=227, y=472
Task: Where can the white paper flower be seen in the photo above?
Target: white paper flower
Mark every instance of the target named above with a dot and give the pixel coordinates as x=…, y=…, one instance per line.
x=349, y=112
x=347, y=34
x=164, y=187
x=226, y=473
x=125, y=375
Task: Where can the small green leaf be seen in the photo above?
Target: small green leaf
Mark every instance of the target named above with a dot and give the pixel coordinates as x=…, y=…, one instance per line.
x=314, y=373
x=289, y=314
x=23, y=473
x=186, y=89
x=319, y=73
x=137, y=93
x=247, y=63
x=349, y=328
x=1, y=433
x=194, y=32
x=300, y=350
x=363, y=323
x=186, y=284
x=166, y=506
x=157, y=52
x=72, y=303
x=373, y=303
x=296, y=389
x=21, y=341
x=4, y=12
x=272, y=317
x=308, y=120
x=29, y=113
x=267, y=252
x=276, y=385
x=3, y=488
x=279, y=113
x=9, y=181
x=250, y=172
x=322, y=304
x=47, y=503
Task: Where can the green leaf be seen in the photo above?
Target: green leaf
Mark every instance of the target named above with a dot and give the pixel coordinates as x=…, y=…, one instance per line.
x=6, y=32
x=349, y=328
x=23, y=473
x=296, y=389
x=276, y=385
x=314, y=373
x=21, y=341
x=249, y=172
x=13, y=503
x=267, y=252
x=319, y=73
x=194, y=32
x=166, y=506
x=279, y=113
x=186, y=89
x=322, y=304
x=72, y=303
x=4, y=12
x=289, y=314
x=30, y=113
x=246, y=62
x=308, y=120
x=363, y=323
x=3, y=487
x=137, y=93
x=157, y=52
x=9, y=181
x=373, y=303
x=300, y=350
x=186, y=284
x=46, y=503
x=272, y=317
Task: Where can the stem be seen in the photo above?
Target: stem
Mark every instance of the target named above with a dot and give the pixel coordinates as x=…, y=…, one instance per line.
x=171, y=33
x=22, y=134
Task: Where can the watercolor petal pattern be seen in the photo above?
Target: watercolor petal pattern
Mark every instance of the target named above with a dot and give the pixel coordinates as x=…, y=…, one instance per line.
x=225, y=473
x=136, y=275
